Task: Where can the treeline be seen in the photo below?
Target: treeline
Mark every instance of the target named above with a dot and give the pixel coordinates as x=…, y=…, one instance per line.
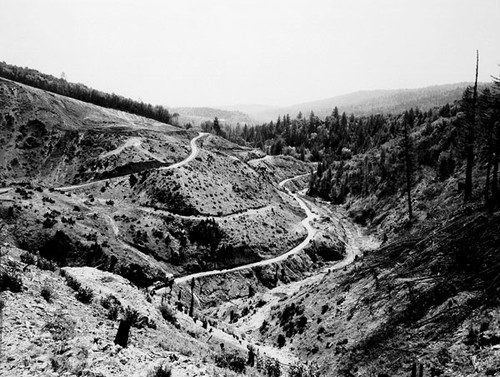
x=81, y=92
x=334, y=138
x=383, y=153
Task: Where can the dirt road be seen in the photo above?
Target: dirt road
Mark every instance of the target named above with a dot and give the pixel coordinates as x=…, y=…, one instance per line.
x=310, y=217
x=194, y=152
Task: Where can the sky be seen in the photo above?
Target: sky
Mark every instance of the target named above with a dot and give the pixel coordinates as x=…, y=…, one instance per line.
x=226, y=52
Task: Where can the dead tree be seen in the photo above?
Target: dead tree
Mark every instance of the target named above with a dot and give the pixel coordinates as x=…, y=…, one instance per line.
x=471, y=139
x=191, y=306
x=407, y=124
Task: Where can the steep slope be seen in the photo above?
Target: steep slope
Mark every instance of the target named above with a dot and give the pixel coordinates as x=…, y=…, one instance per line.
x=431, y=298
x=65, y=323
x=167, y=202
x=96, y=187
x=428, y=297
x=48, y=139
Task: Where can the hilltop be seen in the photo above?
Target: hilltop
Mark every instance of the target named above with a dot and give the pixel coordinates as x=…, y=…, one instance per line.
x=195, y=116
x=367, y=102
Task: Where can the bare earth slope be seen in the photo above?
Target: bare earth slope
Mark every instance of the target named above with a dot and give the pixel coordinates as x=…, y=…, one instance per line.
x=118, y=203
x=49, y=139
x=134, y=196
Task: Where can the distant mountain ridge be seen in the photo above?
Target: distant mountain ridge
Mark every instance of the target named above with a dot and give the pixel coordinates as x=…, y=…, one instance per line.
x=372, y=101
x=364, y=102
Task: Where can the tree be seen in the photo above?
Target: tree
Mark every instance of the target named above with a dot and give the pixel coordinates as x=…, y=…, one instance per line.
x=486, y=117
x=191, y=306
x=496, y=138
x=408, y=119
x=471, y=124
x=216, y=126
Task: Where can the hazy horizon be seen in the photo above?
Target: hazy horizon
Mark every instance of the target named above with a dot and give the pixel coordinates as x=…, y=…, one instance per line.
x=228, y=53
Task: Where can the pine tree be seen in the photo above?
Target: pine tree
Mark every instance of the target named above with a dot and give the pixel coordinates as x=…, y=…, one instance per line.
x=216, y=126
x=471, y=124
x=496, y=138
x=407, y=124
x=191, y=306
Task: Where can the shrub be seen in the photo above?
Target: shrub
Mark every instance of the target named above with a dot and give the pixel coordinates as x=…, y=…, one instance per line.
x=260, y=303
x=46, y=293
x=162, y=370
x=446, y=165
x=10, y=281
x=131, y=315
x=232, y=361
x=301, y=323
x=263, y=328
x=168, y=314
x=45, y=264
x=273, y=368
x=84, y=295
x=302, y=370
x=130, y=318
x=132, y=180
x=49, y=223
x=71, y=281
x=324, y=308
x=114, y=306
x=61, y=327
x=281, y=340
x=28, y=258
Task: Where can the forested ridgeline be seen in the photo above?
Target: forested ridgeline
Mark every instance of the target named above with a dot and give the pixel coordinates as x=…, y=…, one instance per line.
x=81, y=92
x=383, y=153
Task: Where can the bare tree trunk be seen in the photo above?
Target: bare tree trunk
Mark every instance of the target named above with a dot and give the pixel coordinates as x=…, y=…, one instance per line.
x=494, y=183
x=191, y=307
x=121, y=337
x=491, y=152
x=487, y=184
x=471, y=139
x=408, y=167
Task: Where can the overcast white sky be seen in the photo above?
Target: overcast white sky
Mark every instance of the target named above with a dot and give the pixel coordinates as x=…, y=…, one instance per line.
x=223, y=52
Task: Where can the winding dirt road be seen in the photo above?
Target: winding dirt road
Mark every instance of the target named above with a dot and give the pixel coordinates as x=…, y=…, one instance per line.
x=135, y=142
x=194, y=152
x=311, y=232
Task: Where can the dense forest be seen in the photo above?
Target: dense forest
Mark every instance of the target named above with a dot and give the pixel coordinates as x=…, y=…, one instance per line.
x=81, y=92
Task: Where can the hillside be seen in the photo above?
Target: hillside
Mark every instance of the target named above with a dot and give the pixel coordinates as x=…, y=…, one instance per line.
x=197, y=115
x=221, y=260
x=206, y=212
x=427, y=298
x=50, y=139
x=82, y=92
x=98, y=207
x=371, y=102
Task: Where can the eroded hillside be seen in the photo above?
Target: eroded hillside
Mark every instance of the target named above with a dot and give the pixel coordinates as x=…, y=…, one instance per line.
x=92, y=186
x=54, y=140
